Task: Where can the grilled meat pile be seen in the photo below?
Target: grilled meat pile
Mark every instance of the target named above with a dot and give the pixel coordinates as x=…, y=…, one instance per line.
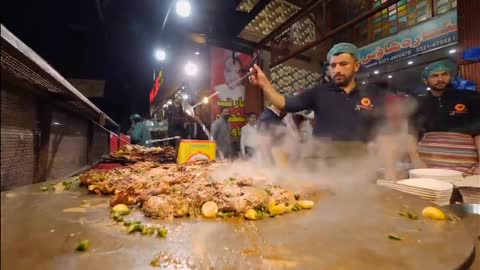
x=141, y=153
x=165, y=191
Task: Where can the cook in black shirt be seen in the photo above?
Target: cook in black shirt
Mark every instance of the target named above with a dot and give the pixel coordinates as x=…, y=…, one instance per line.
x=444, y=109
x=343, y=111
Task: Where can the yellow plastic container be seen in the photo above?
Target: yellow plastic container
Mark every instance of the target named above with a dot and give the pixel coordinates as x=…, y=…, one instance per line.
x=190, y=150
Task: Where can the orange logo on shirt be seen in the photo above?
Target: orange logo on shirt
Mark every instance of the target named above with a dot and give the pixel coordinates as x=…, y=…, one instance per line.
x=366, y=102
x=460, y=107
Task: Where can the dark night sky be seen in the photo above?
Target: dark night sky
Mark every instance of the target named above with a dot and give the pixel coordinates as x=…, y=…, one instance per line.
x=116, y=41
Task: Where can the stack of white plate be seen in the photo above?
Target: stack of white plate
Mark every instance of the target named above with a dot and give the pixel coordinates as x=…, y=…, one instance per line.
x=450, y=176
x=432, y=190
x=470, y=189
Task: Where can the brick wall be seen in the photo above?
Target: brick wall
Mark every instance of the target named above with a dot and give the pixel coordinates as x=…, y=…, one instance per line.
x=18, y=114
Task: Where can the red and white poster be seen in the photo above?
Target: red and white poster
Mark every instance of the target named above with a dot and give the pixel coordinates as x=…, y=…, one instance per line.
x=227, y=67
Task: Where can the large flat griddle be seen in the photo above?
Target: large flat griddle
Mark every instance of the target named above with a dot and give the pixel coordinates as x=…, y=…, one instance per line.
x=342, y=232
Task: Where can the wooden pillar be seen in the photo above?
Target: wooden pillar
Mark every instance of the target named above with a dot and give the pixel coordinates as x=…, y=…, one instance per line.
x=469, y=37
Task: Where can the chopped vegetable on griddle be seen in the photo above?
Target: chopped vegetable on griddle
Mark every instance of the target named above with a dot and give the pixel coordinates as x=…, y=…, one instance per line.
x=135, y=227
x=296, y=207
x=83, y=245
x=410, y=215
x=453, y=217
x=162, y=232
x=148, y=230
x=226, y=214
x=394, y=237
x=44, y=188
x=155, y=262
x=117, y=217
x=58, y=187
x=67, y=184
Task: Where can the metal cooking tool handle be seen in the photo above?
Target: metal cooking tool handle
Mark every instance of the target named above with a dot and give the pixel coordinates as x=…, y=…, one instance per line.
x=162, y=140
x=228, y=85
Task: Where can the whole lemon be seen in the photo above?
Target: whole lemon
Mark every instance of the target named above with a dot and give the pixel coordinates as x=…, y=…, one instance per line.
x=433, y=212
x=251, y=214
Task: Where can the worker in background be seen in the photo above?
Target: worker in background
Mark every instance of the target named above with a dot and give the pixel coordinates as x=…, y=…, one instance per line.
x=448, y=122
x=248, y=139
x=396, y=141
x=344, y=111
x=139, y=132
x=221, y=133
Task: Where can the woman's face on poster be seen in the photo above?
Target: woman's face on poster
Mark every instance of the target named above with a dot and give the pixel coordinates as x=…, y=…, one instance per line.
x=232, y=71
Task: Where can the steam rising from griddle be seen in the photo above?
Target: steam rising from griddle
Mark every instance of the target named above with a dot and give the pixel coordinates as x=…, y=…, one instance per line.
x=310, y=166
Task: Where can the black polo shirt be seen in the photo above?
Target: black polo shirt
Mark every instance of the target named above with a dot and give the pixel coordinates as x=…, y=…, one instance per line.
x=339, y=116
x=454, y=111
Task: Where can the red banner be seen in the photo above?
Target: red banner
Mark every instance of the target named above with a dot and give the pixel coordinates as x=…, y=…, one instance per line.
x=226, y=67
x=156, y=86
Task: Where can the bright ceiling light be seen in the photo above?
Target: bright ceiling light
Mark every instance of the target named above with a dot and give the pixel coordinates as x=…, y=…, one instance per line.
x=169, y=102
x=410, y=62
x=197, y=53
x=428, y=88
x=363, y=82
x=390, y=76
x=205, y=100
x=160, y=55
x=452, y=51
x=184, y=96
x=191, y=69
x=376, y=72
x=183, y=8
